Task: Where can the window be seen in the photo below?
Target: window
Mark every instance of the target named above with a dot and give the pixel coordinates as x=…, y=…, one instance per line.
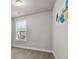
x=21, y=30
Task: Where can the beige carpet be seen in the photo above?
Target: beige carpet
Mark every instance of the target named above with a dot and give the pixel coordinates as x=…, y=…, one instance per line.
x=18, y=53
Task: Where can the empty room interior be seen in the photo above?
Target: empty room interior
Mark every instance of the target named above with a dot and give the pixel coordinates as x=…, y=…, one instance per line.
x=39, y=29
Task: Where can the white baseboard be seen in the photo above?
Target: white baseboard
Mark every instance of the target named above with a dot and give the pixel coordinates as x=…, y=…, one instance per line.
x=37, y=49
x=54, y=54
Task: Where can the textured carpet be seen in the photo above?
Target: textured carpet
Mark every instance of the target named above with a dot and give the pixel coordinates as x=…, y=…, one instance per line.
x=19, y=53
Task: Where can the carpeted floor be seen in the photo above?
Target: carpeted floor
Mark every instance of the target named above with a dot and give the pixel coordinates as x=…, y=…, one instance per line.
x=19, y=53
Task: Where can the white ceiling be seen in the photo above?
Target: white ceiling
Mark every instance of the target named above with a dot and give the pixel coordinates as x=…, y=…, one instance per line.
x=31, y=6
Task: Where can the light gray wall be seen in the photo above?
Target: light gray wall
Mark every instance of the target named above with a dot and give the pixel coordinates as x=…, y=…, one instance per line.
x=60, y=31
x=39, y=31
